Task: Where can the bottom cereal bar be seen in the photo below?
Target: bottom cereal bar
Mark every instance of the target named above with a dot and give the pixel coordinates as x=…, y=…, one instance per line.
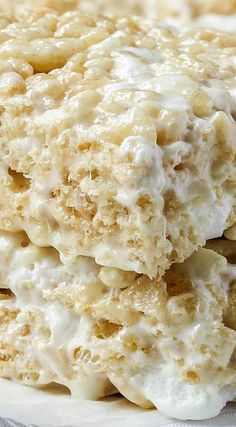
x=168, y=343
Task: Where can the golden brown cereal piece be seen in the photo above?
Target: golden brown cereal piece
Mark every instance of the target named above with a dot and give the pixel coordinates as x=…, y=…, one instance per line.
x=224, y=247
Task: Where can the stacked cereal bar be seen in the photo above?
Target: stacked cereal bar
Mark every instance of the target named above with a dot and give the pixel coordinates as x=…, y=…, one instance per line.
x=117, y=165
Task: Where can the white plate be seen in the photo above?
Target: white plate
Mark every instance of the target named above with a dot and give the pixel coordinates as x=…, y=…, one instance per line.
x=53, y=406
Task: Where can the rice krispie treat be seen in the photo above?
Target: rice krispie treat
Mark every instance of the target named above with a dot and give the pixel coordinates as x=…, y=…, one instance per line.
x=168, y=342
x=117, y=138
x=117, y=164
